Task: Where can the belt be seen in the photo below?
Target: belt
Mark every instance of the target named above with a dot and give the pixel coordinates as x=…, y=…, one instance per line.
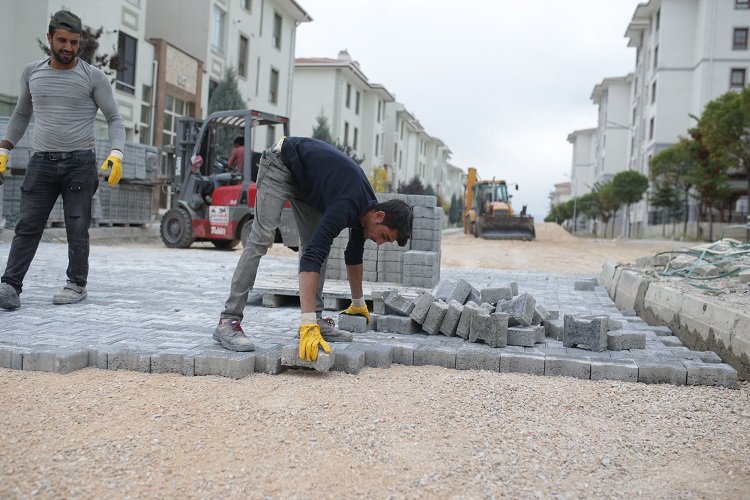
x=60, y=155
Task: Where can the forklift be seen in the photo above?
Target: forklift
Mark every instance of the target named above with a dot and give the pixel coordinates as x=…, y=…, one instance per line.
x=210, y=201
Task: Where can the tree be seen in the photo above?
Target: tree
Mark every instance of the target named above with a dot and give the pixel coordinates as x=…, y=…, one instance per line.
x=665, y=197
x=87, y=51
x=608, y=202
x=725, y=131
x=414, y=186
x=379, y=179
x=321, y=130
x=588, y=205
x=454, y=214
x=226, y=95
x=675, y=167
x=629, y=187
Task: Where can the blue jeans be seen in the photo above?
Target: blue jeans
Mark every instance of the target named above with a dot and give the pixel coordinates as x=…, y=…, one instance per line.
x=276, y=184
x=49, y=175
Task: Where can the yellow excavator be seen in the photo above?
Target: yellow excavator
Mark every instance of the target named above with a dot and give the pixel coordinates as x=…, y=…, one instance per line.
x=488, y=212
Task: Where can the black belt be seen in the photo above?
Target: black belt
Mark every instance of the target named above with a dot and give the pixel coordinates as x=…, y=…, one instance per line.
x=60, y=155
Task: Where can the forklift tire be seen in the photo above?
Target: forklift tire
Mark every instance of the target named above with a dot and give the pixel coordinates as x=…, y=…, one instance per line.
x=176, y=228
x=225, y=244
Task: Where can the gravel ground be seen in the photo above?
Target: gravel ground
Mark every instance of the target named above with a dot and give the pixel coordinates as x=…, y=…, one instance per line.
x=401, y=432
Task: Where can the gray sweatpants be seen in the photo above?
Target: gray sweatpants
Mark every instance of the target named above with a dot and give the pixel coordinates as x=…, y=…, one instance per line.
x=275, y=185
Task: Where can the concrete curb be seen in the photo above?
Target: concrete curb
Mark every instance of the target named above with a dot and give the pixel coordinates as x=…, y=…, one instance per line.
x=700, y=323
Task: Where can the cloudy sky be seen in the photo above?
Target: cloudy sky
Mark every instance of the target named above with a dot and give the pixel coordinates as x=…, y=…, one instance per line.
x=501, y=82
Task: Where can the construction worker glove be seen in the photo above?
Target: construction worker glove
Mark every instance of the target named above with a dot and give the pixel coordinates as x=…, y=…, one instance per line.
x=309, y=341
x=113, y=161
x=353, y=310
x=4, y=153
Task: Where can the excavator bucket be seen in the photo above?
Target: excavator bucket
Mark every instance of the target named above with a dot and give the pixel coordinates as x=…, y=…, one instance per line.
x=499, y=227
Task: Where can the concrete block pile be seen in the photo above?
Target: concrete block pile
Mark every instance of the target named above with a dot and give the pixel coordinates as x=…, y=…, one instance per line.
x=417, y=264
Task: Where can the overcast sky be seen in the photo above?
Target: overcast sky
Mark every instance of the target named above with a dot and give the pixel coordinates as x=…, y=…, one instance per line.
x=501, y=82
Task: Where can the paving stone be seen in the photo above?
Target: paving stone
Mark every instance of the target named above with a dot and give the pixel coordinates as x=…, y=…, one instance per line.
x=670, y=341
x=464, y=323
x=403, y=354
x=396, y=303
x=355, y=324
x=477, y=357
x=448, y=290
x=625, y=370
x=619, y=340
x=582, y=332
x=58, y=361
x=421, y=307
x=554, y=328
x=523, y=336
x=452, y=316
x=290, y=358
x=495, y=294
x=492, y=329
x=434, y=317
x=376, y=355
x=709, y=357
x=719, y=374
x=268, y=360
x=540, y=315
x=129, y=360
x=398, y=324
x=436, y=355
x=522, y=363
x=513, y=288
x=584, y=285
x=350, y=361
x=661, y=372
x=567, y=366
x=241, y=364
x=168, y=362
x=521, y=309
x=211, y=364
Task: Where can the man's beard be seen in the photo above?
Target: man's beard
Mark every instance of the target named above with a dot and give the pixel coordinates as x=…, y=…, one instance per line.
x=63, y=58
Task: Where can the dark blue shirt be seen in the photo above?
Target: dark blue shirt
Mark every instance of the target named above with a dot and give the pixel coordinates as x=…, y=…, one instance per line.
x=334, y=184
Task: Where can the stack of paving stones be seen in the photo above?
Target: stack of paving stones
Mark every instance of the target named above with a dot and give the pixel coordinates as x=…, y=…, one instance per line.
x=417, y=264
x=460, y=324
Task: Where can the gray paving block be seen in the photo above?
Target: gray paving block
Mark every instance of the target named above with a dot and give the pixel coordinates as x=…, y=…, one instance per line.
x=241, y=364
x=436, y=355
x=567, y=366
x=495, y=294
x=584, y=285
x=398, y=324
x=553, y=328
x=421, y=307
x=356, y=324
x=525, y=336
x=290, y=358
x=452, y=316
x=477, y=357
x=522, y=363
x=625, y=370
x=376, y=355
x=403, y=354
x=513, y=287
x=619, y=340
x=378, y=300
x=661, y=372
x=434, y=317
x=709, y=357
x=583, y=332
x=670, y=341
x=448, y=290
x=521, y=309
x=719, y=374
x=129, y=360
x=396, y=303
x=268, y=360
x=168, y=362
x=212, y=363
x=464, y=323
x=11, y=358
x=58, y=361
x=492, y=329
x=350, y=361
x=540, y=315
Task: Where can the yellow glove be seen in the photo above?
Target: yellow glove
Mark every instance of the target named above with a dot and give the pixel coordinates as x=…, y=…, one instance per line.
x=114, y=160
x=309, y=340
x=353, y=310
x=4, y=153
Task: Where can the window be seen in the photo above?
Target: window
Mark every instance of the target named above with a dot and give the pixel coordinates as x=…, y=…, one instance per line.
x=737, y=78
x=348, y=96
x=379, y=107
x=656, y=56
x=402, y=131
x=242, y=59
x=658, y=19
x=377, y=145
x=273, y=94
x=126, y=47
x=247, y=5
x=212, y=84
x=276, y=30
x=741, y=4
x=653, y=92
x=356, y=104
x=354, y=138
x=173, y=109
x=651, y=129
x=346, y=133
x=739, y=39
x=217, y=37
x=144, y=126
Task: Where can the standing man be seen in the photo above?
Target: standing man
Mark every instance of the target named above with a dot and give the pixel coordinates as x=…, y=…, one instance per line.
x=329, y=192
x=63, y=93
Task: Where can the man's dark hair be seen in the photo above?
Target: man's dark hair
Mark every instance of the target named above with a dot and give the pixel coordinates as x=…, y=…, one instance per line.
x=65, y=20
x=239, y=141
x=398, y=216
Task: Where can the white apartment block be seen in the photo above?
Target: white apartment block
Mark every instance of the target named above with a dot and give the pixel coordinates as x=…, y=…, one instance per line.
x=353, y=106
x=612, y=137
x=583, y=168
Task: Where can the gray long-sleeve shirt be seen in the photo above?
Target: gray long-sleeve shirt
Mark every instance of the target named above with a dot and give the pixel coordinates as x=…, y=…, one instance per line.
x=64, y=103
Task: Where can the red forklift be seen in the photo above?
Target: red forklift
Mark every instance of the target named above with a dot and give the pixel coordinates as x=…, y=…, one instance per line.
x=212, y=202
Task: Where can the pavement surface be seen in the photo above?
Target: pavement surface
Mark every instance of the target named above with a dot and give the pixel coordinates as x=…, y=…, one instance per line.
x=153, y=309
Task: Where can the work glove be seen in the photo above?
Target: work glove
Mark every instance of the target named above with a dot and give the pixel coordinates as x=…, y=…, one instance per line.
x=4, y=153
x=114, y=160
x=309, y=340
x=357, y=309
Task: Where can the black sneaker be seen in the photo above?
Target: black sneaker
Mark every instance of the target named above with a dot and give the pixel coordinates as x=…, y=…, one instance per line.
x=230, y=335
x=9, y=298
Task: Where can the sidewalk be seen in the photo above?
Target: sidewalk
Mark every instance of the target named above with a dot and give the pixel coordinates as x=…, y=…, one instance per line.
x=153, y=309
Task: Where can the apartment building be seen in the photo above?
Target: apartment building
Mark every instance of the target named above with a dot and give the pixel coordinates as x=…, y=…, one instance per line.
x=612, y=137
x=353, y=106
